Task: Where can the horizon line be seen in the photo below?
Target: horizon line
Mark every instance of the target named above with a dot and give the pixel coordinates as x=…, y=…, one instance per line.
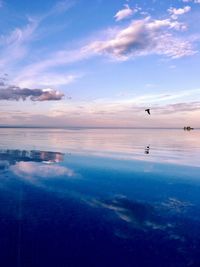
x=82, y=127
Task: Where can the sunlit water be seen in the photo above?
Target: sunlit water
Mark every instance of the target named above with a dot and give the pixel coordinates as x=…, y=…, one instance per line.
x=99, y=198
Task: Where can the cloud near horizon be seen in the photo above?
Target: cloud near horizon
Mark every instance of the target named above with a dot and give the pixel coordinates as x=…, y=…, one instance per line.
x=15, y=93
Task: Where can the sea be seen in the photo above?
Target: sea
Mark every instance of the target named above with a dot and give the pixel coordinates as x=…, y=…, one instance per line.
x=83, y=197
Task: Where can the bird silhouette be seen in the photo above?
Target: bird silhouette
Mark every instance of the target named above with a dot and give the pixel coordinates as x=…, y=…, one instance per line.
x=148, y=111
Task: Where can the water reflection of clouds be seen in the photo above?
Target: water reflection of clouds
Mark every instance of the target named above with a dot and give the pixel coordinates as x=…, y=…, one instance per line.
x=34, y=164
x=4, y=165
x=167, y=146
x=144, y=217
x=175, y=205
x=129, y=211
x=39, y=170
x=13, y=156
x=137, y=214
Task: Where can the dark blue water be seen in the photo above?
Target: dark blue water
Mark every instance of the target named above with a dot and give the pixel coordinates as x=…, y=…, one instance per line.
x=99, y=198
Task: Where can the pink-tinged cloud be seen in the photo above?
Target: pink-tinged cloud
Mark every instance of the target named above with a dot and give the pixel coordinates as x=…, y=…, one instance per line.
x=145, y=37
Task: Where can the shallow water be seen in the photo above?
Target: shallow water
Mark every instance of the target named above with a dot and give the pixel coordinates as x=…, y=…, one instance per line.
x=99, y=197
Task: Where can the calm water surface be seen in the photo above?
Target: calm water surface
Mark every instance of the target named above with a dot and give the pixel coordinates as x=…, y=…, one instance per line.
x=99, y=198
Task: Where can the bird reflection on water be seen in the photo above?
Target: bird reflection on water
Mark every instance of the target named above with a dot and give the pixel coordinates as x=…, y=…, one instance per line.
x=146, y=151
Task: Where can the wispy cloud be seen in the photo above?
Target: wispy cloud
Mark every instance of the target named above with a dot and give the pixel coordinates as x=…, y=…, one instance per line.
x=41, y=69
x=161, y=103
x=193, y=1
x=176, y=12
x=14, y=46
x=181, y=107
x=45, y=79
x=124, y=13
x=58, y=8
x=62, y=6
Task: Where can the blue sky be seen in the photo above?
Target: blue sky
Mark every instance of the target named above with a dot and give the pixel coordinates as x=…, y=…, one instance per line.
x=99, y=63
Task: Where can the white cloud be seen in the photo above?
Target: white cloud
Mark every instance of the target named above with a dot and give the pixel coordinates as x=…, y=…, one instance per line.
x=141, y=37
x=194, y=1
x=175, y=12
x=145, y=37
x=32, y=170
x=124, y=13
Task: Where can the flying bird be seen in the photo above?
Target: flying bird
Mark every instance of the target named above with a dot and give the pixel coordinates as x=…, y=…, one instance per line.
x=148, y=111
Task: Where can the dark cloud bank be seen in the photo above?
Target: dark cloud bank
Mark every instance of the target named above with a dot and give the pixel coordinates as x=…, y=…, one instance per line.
x=12, y=92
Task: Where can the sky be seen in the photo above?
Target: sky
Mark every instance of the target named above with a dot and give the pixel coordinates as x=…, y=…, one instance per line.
x=100, y=63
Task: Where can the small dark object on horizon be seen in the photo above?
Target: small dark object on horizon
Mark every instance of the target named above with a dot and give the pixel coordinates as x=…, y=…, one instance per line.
x=188, y=128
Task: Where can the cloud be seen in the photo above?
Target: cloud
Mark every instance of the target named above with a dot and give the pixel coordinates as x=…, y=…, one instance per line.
x=14, y=45
x=180, y=107
x=194, y=1
x=175, y=12
x=45, y=79
x=11, y=157
x=31, y=170
x=137, y=214
x=58, y=58
x=17, y=93
x=124, y=13
x=176, y=205
x=145, y=37
x=129, y=104
x=142, y=37
x=61, y=6
x=129, y=111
